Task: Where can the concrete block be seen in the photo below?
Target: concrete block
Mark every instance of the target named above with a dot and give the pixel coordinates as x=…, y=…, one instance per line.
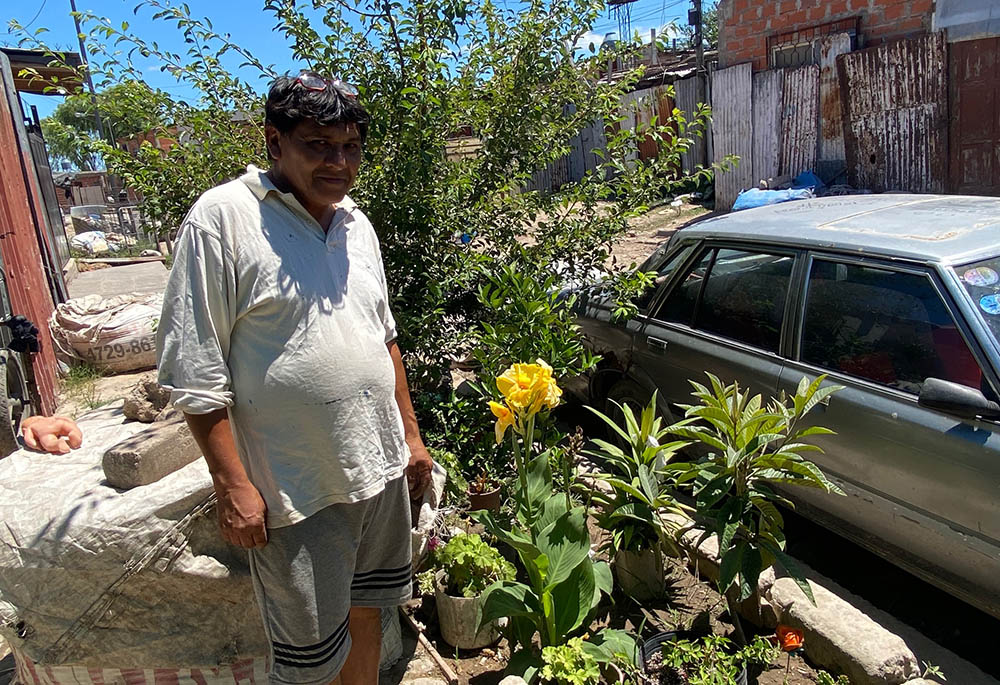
x=148, y=400
x=839, y=636
x=149, y=455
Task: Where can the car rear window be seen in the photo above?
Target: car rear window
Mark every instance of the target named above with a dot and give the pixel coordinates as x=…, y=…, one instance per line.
x=736, y=294
x=886, y=326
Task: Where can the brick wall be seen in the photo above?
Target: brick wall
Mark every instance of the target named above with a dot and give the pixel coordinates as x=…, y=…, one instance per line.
x=748, y=27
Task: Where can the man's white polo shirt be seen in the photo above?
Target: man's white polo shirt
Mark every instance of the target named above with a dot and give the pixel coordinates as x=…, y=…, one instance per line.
x=286, y=325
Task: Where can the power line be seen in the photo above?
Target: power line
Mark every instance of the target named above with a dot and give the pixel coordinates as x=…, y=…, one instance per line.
x=33, y=19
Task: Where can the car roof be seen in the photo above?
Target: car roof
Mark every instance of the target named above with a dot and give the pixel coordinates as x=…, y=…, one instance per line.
x=950, y=229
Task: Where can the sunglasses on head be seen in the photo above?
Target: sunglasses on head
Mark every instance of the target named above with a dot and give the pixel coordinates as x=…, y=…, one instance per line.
x=312, y=81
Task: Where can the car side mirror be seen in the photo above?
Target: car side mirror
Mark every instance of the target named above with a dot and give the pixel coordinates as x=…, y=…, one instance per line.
x=959, y=400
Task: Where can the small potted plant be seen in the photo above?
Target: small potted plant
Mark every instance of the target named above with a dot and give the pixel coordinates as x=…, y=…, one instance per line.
x=635, y=506
x=467, y=567
x=484, y=493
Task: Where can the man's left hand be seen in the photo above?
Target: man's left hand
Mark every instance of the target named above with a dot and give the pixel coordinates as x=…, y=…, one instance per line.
x=418, y=471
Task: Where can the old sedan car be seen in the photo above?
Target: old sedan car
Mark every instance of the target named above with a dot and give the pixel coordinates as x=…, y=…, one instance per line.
x=895, y=297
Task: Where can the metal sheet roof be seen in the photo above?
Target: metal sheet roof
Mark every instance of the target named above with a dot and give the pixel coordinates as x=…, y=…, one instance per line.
x=927, y=228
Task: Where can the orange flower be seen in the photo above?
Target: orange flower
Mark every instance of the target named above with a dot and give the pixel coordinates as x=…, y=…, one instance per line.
x=790, y=639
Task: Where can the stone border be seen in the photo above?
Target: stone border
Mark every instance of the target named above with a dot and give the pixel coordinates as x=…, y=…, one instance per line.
x=843, y=632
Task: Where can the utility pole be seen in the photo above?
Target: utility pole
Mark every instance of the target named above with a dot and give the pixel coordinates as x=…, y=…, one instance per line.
x=86, y=62
x=701, y=78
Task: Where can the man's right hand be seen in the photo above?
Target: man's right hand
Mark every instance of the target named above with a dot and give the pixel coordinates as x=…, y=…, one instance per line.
x=242, y=516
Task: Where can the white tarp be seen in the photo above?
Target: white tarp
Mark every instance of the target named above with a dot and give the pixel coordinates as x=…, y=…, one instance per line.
x=91, y=576
x=138, y=581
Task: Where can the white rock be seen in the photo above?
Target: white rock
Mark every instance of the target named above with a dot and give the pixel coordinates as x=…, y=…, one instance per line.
x=837, y=634
x=513, y=680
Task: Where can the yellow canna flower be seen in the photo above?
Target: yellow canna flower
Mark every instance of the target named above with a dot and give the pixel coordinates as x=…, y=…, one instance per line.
x=505, y=419
x=529, y=387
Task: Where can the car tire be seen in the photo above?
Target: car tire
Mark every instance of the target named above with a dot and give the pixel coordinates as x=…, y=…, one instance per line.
x=15, y=403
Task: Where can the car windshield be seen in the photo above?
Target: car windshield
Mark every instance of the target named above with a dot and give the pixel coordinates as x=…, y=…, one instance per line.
x=982, y=282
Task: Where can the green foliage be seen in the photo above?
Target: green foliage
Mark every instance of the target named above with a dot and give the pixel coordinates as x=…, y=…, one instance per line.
x=634, y=512
x=425, y=582
x=569, y=664
x=525, y=317
x=457, y=426
x=471, y=565
x=824, y=678
x=456, y=485
x=125, y=108
x=753, y=447
x=712, y=659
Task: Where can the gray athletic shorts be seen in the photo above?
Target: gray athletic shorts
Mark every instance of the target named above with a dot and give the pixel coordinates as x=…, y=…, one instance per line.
x=309, y=575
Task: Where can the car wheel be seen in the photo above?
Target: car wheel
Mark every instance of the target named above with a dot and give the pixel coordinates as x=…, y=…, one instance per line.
x=14, y=404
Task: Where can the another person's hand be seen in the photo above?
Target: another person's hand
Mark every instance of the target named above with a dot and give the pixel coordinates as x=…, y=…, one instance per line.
x=242, y=516
x=54, y=434
x=418, y=471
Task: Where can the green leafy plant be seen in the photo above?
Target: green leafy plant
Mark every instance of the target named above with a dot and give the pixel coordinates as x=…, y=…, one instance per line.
x=471, y=565
x=549, y=532
x=635, y=512
x=824, y=678
x=752, y=448
x=426, y=582
x=455, y=485
x=569, y=664
x=713, y=660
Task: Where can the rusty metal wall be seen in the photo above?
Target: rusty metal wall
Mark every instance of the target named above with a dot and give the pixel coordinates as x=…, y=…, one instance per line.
x=831, y=120
x=974, y=165
x=686, y=94
x=732, y=107
x=799, y=120
x=896, y=115
x=21, y=222
x=767, y=88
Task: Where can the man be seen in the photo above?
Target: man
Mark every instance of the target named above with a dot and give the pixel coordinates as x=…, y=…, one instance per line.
x=278, y=344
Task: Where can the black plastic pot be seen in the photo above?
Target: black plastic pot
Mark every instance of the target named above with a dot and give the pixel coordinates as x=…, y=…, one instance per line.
x=655, y=643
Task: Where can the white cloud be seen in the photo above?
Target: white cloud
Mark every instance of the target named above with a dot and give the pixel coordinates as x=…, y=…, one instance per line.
x=590, y=39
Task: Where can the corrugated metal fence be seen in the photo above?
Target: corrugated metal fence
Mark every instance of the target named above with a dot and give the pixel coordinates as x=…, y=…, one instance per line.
x=897, y=115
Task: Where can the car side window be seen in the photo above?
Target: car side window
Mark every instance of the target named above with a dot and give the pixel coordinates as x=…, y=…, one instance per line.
x=738, y=294
x=663, y=273
x=744, y=298
x=886, y=326
x=679, y=305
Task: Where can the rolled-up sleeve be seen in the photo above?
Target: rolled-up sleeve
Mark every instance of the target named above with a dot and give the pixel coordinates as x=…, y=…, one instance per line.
x=192, y=337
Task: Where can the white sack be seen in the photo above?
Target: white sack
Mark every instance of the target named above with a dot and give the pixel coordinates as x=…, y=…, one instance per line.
x=117, y=334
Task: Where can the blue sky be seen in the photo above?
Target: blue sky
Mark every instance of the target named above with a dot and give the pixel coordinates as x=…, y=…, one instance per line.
x=250, y=27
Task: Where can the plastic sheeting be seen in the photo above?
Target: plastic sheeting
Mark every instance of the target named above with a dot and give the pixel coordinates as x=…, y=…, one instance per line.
x=100, y=585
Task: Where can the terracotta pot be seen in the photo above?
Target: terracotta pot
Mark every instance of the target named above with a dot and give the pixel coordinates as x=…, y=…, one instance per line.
x=489, y=500
x=458, y=618
x=640, y=574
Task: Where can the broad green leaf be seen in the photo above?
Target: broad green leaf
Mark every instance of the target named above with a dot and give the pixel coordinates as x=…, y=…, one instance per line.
x=573, y=598
x=508, y=598
x=566, y=543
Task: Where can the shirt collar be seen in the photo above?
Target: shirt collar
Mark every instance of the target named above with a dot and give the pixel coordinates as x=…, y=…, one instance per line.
x=260, y=184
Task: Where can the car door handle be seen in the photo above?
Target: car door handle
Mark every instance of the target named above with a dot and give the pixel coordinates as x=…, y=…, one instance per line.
x=656, y=344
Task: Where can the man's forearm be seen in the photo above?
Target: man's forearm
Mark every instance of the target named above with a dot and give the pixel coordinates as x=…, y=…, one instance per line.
x=410, y=427
x=215, y=438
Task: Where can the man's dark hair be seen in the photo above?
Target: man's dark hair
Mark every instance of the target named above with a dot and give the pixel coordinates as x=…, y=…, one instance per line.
x=289, y=103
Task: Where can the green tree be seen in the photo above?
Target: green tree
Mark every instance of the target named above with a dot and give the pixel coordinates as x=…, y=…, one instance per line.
x=126, y=109
x=425, y=69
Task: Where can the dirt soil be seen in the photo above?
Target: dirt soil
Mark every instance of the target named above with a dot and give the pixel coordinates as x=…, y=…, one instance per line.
x=646, y=232
x=101, y=391
x=690, y=602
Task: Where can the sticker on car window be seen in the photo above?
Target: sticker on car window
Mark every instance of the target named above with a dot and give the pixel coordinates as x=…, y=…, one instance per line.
x=981, y=276
x=990, y=304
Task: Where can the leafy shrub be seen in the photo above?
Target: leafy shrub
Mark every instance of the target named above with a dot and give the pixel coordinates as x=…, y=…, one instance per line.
x=471, y=565
x=569, y=664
